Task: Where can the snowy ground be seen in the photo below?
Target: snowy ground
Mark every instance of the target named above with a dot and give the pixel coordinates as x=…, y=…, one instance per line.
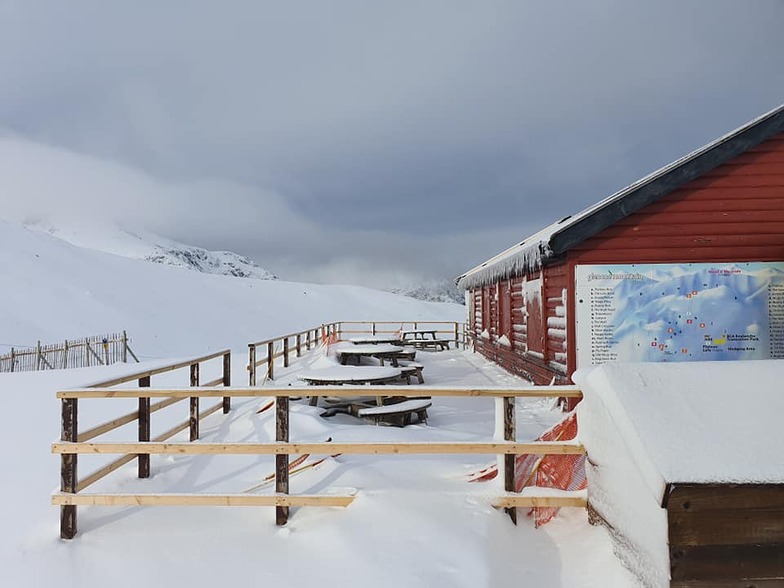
x=415, y=521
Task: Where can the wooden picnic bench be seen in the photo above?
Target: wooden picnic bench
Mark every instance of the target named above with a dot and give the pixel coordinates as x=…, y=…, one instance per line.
x=398, y=414
x=425, y=339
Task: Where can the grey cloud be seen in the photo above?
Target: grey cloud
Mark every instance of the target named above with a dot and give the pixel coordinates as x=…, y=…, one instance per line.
x=419, y=121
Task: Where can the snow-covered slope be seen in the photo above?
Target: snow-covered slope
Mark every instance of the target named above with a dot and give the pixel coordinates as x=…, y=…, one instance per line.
x=54, y=290
x=140, y=244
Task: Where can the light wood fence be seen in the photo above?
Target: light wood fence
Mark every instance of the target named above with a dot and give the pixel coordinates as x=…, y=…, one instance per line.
x=294, y=343
x=74, y=443
x=70, y=483
x=90, y=351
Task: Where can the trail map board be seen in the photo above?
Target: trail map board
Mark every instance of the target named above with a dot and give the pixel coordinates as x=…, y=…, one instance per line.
x=679, y=312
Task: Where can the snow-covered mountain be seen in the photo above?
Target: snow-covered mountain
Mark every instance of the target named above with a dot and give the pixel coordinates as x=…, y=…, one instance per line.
x=139, y=244
x=55, y=290
x=432, y=291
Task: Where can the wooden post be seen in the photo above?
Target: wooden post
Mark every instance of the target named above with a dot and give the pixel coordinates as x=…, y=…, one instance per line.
x=68, y=476
x=373, y=329
x=285, y=352
x=13, y=359
x=38, y=356
x=194, y=417
x=307, y=340
x=281, y=461
x=226, y=381
x=65, y=354
x=144, y=428
x=124, y=347
x=299, y=345
x=457, y=336
x=509, y=460
x=251, y=364
x=270, y=360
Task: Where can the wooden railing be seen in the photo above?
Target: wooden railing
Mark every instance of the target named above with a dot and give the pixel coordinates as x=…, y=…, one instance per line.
x=70, y=430
x=285, y=345
x=72, y=444
x=282, y=347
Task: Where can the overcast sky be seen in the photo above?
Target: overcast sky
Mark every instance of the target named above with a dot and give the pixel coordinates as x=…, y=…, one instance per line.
x=365, y=141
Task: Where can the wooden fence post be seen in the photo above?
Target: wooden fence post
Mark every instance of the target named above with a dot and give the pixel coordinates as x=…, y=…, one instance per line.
x=281, y=460
x=285, y=352
x=13, y=359
x=373, y=329
x=65, y=354
x=144, y=428
x=307, y=340
x=194, y=412
x=124, y=347
x=271, y=360
x=509, y=460
x=68, y=476
x=38, y=356
x=457, y=336
x=226, y=381
x=252, y=364
x=299, y=345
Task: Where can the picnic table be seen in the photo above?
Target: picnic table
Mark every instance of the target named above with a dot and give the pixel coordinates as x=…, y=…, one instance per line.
x=339, y=375
x=424, y=339
x=380, y=351
x=377, y=339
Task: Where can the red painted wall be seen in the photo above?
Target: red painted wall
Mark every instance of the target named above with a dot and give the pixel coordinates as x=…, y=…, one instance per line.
x=733, y=213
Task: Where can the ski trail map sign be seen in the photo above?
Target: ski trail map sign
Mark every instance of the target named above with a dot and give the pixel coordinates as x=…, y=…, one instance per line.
x=679, y=312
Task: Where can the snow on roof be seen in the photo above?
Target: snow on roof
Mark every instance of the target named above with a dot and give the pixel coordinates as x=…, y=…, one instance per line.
x=536, y=250
x=697, y=422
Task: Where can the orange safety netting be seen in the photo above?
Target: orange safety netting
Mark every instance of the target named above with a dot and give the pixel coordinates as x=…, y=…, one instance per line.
x=328, y=338
x=565, y=472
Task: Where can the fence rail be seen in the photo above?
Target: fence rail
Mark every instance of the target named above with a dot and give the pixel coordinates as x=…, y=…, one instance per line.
x=89, y=351
x=71, y=484
x=285, y=345
x=71, y=445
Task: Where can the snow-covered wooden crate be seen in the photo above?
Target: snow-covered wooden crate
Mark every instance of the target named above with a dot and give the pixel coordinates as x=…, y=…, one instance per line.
x=685, y=469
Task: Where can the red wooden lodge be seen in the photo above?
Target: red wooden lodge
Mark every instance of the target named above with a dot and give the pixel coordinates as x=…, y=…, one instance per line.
x=723, y=203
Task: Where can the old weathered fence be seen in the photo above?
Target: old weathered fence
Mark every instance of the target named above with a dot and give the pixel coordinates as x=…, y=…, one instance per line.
x=285, y=345
x=76, y=353
x=74, y=443
x=70, y=483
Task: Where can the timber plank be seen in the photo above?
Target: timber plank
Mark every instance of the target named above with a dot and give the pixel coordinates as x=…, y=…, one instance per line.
x=296, y=391
x=730, y=527
x=490, y=448
x=705, y=497
x=528, y=501
x=200, y=500
x=774, y=583
x=725, y=199
x=730, y=563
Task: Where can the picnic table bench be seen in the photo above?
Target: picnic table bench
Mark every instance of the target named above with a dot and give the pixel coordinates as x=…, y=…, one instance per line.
x=398, y=414
x=380, y=351
x=425, y=339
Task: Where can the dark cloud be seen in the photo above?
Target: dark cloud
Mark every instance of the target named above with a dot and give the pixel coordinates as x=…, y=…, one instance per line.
x=316, y=136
